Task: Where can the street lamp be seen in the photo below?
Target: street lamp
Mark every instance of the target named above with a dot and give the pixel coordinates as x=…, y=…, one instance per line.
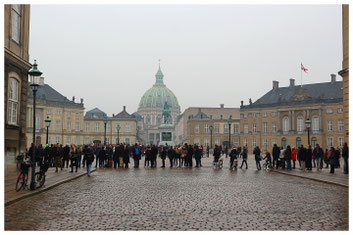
x=47, y=124
x=211, y=129
x=34, y=78
x=105, y=119
x=117, y=130
x=229, y=129
x=307, y=124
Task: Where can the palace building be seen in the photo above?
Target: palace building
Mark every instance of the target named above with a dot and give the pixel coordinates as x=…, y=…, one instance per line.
x=279, y=116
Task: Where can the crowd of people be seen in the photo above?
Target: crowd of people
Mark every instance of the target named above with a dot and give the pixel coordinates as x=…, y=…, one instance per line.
x=118, y=156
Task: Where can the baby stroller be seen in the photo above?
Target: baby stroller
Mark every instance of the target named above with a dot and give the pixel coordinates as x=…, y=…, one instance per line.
x=219, y=164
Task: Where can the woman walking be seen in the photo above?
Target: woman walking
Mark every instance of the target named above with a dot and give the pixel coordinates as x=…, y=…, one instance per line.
x=257, y=153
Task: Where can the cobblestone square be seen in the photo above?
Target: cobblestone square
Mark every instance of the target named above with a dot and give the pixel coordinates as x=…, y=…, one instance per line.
x=184, y=199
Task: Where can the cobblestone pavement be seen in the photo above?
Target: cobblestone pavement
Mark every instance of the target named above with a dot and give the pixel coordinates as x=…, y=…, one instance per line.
x=184, y=199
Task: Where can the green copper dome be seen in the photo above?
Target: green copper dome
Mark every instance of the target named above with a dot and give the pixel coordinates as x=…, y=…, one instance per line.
x=156, y=96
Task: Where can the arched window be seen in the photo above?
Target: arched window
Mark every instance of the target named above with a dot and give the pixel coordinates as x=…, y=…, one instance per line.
x=148, y=119
x=300, y=124
x=285, y=124
x=313, y=141
x=315, y=123
x=284, y=142
x=298, y=142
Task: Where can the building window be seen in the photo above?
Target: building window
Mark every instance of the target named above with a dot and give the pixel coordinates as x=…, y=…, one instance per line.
x=236, y=128
x=77, y=115
x=49, y=111
x=264, y=115
x=284, y=142
x=273, y=114
x=265, y=142
x=315, y=123
x=206, y=128
x=254, y=142
x=86, y=140
x=285, y=124
x=216, y=141
x=127, y=140
x=264, y=127
x=216, y=128
x=77, y=126
x=340, y=110
x=197, y=128
x=300, y=124
x=329, y=125
x=77, y=140
x=298, y=142
x=197, y=141
x=340, y=125
x=97, y=127
x=329, y=110
x=245, y=115
x=313, y=141
x=254, y=115
x=107, y=140
x=57, y=139
x=236, y=142
x=340, y=141
x=159, y=118
x=274, y=127
x=69, y=140
x=254, y=128
x=68, y=126
x=69, y=114
x=274, y=141
x=226, y=128
x=127, y=128
x=58, y=112
x=108, y=127
x=246, y=128
x=15, y=22
x=88, y=127
x=245, y=141
x=38, y=123
x=13, y=101
x=206, y=142
x=329, y=141
x=148, y=119
x=57, y=125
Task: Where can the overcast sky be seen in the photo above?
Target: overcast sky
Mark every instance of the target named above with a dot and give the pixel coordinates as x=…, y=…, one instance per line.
x=210, y=54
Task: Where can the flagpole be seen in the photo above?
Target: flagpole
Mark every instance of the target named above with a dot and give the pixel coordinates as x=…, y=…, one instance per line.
x=301, y=75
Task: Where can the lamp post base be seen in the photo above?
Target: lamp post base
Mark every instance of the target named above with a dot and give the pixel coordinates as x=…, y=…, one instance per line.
x=33, y=186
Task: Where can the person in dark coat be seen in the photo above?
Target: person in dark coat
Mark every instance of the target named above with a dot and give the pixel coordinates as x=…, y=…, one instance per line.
x=126, y=158
x=163, y=154
x=288, y=157
x=89, y=159
x=101, y=157
x=154, y=153
x=97, y=153
x=216, y=153
x=318, y=154
x=148, y=156
x=189, y=156
x=337, y=158
x=257, y=153
x=115, y=156
x=345, y=155
x=198, y=155
x=331, y=159
x=233, y=155
x=171, y=153
x=309, y=158
x=244, y=155
x=136, y=153
x=301, y=157
x=275, y=154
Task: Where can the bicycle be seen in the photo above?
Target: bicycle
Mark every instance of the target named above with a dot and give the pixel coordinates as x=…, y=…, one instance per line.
x=40, y=176
x=23, y=176
x=267, y=166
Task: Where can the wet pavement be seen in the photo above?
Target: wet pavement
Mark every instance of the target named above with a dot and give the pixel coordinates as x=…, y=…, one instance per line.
x=184, y=199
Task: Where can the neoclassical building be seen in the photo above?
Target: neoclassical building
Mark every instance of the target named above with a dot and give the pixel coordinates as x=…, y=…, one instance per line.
x=279, y=116
x=149, y=113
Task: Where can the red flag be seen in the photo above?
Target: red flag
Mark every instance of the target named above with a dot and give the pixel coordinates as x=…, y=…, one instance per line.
x=304, y=69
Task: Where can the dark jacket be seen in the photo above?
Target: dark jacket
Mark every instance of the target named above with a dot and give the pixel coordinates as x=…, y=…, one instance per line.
x=287, y=154
x=309, y=158
x=275, y=152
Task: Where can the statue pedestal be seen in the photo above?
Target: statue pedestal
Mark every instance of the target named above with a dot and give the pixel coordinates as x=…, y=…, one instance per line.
x=166, y=133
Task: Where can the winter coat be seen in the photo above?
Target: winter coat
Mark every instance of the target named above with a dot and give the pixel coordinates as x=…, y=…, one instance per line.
x=308, y=158
x=294, y=154
x=275, y=152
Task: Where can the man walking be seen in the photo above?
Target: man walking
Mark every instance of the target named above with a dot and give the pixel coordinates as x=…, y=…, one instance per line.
x=318, y=154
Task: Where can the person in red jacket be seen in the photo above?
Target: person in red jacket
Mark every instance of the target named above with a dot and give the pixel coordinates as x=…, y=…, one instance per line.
x=294, y=156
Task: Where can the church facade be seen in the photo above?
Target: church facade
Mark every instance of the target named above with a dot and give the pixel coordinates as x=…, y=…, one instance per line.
x=150, y=111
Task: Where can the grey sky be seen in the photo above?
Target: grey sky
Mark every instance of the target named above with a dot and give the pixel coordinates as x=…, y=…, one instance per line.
x=210, y=54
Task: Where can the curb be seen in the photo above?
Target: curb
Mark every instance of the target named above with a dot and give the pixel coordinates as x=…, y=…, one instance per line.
x=319, y=180
x=44, y=189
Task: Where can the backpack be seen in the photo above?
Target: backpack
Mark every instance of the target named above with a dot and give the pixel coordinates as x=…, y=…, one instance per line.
x=137, y=151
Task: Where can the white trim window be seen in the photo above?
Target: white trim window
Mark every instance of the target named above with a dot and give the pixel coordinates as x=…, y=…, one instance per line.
x=329, y=125
x=206, y=128
x=254, y=128
x=68, y=126
x=265, y=142
x=315, y=123
x=225, y=128
x=246, y=128
x=285, y=124
x=108, y=127
x=254, y=142
x=300, y=124
x=216, y=141
x=16, y=22
x=98, y=127
x=340, y=125
x=264, y=125
x=57, y=140
x=274, y=141
x=329, y=110
x=12, y=101
x=206, y=142
x=216, y=128
x=197, y=141
x=38, y=122
x=77, y=142
x=69, y=140
x=236, y=128
x=127, y=140
x=329, y=141
x=77, y=126
x=127, y=128
x=340, y=141
x=197, y=128
x=264, y=115
x=274, y=127
x=245, y=141
x=340, y=110
x=57, y=125
x=88, y=127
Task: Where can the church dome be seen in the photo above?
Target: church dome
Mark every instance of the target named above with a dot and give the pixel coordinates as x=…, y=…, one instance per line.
x=156, y=96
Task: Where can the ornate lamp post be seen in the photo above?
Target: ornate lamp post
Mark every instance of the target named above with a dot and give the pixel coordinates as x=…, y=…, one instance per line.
x=229, y=130
x=47, y=124
x=105, y=120
x=118, y=130
x=307, y=124
x=211, y=129
x=34, y=78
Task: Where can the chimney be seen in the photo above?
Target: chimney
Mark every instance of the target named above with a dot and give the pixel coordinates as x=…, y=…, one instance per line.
x=81, y=101
x=124, y=108
x=73, y=99
x=291, y=82
x=221, y=117
x=275, y=85
x=41, y=81
x=113, y=114
x=333, y=78
x=222, y=106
